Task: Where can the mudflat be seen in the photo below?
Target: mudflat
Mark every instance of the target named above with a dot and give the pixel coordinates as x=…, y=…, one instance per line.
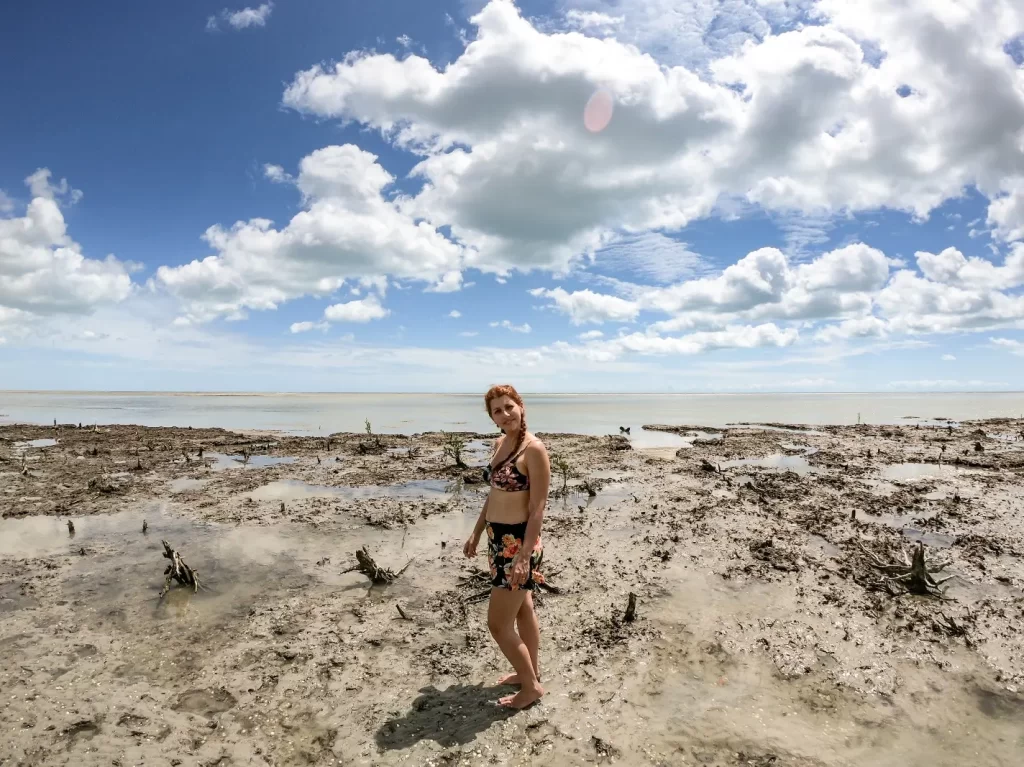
x=791, y=606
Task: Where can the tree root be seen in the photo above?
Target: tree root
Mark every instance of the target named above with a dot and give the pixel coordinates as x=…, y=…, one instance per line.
x=910, y=577
x=377, y=574
x=178, y=571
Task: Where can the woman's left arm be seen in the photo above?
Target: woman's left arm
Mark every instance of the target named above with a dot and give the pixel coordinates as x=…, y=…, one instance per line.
x=538, y=466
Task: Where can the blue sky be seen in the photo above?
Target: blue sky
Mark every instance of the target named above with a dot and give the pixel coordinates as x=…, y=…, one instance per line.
x=789, y=195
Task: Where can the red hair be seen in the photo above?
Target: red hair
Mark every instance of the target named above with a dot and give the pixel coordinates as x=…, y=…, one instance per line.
x=507, y=390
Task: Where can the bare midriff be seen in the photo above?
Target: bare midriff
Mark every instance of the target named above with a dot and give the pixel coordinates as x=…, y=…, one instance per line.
x=509, y=508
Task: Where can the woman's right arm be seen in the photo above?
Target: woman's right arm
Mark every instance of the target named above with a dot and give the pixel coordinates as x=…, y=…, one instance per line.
x=481, y=521
x=478, y=529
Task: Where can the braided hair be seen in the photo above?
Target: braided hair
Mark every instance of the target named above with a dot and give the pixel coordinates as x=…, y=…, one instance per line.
x=507, y=390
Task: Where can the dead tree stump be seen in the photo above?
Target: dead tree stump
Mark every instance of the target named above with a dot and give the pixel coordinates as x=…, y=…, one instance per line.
x=178, y=571
x=377, y=574
x=913, y=576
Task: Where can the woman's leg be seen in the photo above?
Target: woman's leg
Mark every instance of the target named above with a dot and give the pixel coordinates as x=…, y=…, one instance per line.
x=529, y=632
x=501, y=616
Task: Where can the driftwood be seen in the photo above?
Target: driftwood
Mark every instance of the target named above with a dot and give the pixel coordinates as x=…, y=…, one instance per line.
x=178, y=571
x=379, y=575
x=913, y=576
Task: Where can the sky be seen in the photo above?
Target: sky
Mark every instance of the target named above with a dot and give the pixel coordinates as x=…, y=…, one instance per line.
x=567, y=195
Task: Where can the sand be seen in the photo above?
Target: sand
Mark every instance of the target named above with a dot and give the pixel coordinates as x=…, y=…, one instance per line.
x=763, y=635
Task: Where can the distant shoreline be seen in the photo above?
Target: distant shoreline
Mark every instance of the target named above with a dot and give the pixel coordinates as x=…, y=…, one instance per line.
x=525, y=393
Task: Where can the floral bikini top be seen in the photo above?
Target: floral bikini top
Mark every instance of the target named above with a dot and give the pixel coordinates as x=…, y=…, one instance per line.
x=506, y=475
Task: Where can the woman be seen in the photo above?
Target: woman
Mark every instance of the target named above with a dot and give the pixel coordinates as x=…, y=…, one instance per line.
x=518, y=473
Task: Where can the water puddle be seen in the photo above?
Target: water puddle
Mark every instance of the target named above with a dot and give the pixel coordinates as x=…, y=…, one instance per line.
x=823, y=547
x=793, y=447
x=39, y=536
x=936, y=422
x=293, y=490
x=35, y=443
x=223, y=461
x=930, y=539
x=122, y=568
x=613, y=474
x=1005, y=437
x=185, y=485
x=646, y=440
x=608, y=496
x=783, y=429
x=778, y=462
x=479, y=446
x=21, y=450
x=914, y=471
x=905, y=523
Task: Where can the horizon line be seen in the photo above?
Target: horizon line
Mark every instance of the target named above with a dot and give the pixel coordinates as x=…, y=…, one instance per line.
x=229, y=392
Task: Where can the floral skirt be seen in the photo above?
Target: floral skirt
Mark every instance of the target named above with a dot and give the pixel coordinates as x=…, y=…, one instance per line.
x=503, y=543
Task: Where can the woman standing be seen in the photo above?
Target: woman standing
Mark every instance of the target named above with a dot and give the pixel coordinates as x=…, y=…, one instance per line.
x=519, y=474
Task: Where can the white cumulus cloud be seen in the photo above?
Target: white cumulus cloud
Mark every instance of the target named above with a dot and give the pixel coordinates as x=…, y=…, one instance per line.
x=304, y=327
x=346, y=229
x=361, y=310
x=241, y=19
x=42, y=269
x=508, y=325
x=585, y=306
x=1011, y=345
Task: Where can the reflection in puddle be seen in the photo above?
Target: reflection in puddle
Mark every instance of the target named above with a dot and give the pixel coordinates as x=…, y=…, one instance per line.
x=122, y=571
x=222, y=461
x=910, y=471
x=47, y=536
x=185, y=484
x=778, y=462
x=293, y=490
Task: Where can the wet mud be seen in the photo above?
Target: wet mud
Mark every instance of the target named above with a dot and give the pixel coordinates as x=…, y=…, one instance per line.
x=771, y=564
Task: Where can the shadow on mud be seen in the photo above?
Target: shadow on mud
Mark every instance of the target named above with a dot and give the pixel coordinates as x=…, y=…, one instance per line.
x=451, y=717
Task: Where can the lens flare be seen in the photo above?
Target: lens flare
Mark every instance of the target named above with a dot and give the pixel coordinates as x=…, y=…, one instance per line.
x=598, y=111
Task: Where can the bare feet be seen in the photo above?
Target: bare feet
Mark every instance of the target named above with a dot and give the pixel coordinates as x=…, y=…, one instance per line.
x=523, y=698
x=511, y=679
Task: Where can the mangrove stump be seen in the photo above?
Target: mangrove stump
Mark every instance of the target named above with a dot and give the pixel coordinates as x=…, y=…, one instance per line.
x=178, y=571
x=912, y=576
x=377, y=574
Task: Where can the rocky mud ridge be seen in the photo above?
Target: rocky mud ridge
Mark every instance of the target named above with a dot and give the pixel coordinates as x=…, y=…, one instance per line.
x=803, y=596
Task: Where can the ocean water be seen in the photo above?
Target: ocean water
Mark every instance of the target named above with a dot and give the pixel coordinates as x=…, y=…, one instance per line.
x=413, y=413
